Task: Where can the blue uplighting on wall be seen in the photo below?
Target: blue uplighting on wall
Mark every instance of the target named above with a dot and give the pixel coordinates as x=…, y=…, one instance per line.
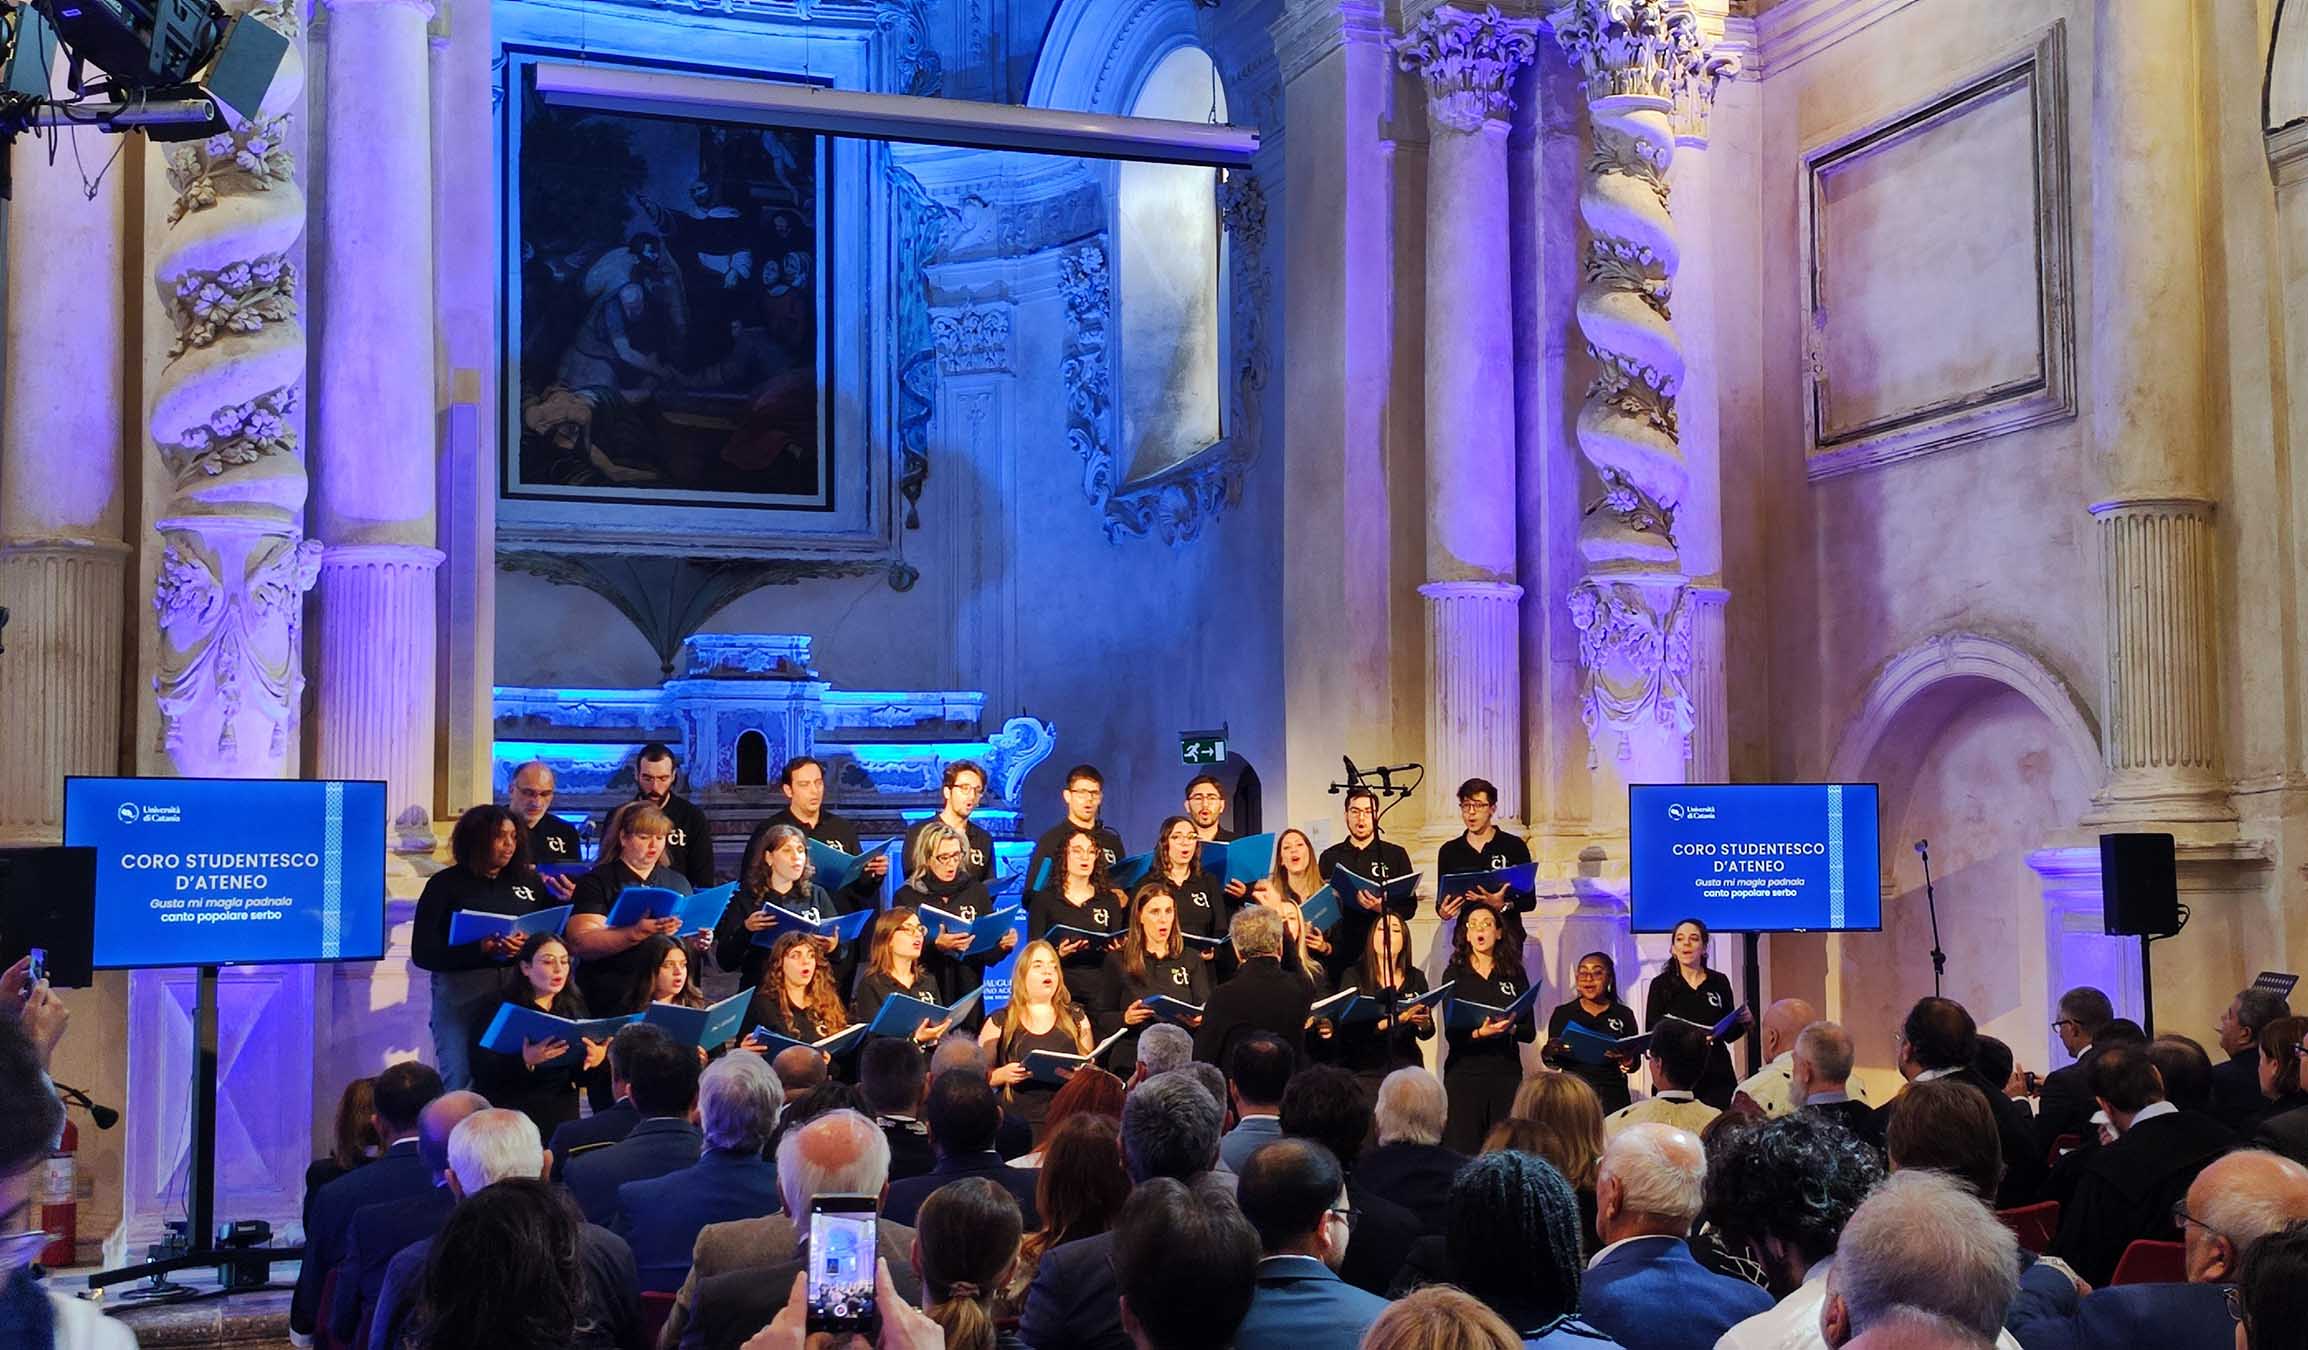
x=563, y=752
x=899, y=752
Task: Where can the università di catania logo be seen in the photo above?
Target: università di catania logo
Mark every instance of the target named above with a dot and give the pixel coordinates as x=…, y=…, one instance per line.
x=129, y=813
x=1679, y=811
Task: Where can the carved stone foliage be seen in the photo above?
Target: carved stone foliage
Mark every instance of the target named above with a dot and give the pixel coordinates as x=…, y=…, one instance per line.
x=1086, y=286
x=973, y=340
x=921, y=230
x=1637, y=662
x=1242, y=212
x=1467, y=58
x=920, y=69
x=229, y=606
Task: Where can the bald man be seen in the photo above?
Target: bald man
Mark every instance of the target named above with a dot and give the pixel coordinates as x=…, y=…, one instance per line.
x=553, y=841
x=379, y=1232
x=1767, y=1090
x=1648, y=1192
x=2242, y=1196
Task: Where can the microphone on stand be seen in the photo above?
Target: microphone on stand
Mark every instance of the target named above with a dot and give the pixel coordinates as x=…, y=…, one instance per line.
x=1931, y=905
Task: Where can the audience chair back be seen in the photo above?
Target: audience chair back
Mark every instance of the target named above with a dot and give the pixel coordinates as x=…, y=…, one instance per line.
x=2035, y=1225
x=2147, y=1262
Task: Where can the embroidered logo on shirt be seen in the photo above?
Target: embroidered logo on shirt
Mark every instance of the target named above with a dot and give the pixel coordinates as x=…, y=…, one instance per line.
x=556, y=844
x=1099, y=916
x=677, y=838
x=1507, y=987
x=1178, y=975
x=1714, y=1000
x=525, y=893
x=977, y=858
x=1201, y=901
x=969, y=912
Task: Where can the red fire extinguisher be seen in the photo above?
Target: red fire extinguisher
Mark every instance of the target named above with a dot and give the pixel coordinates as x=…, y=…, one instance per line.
x=59, y=1201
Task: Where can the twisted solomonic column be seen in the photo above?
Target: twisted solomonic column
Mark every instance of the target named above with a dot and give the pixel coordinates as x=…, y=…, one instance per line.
x=1645, y=70
x=228, y=599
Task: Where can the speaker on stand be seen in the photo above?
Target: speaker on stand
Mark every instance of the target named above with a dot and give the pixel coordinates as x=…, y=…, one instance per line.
x=2140, y=897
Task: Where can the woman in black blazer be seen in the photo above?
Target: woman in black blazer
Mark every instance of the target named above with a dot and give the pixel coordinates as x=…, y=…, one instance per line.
x=1689, y=990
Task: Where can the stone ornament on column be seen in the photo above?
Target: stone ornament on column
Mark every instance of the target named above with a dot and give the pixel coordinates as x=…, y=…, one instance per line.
x=1467, y=58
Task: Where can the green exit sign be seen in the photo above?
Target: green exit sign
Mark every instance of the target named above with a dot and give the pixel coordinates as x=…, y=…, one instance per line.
x=1207, y=747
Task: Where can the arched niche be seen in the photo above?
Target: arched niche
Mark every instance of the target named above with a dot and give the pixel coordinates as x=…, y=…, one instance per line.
x=752, y=759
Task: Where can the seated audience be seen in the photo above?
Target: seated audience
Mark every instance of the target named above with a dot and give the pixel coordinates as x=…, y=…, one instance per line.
x=1091, y=1091
x=1213, y=1081
x=738, y=1104
x=893, y=1076
x=1513, y=1242
x=1161, y=1048
x=963, y=1115
x=378, y=1232
x=1081, y=1187
x=1922, y=1241
x=500, y=1148
x=2064, y=1096
x=1439, y=1317
x=1015, y=1139
x=2236, y=1095
x=1169, y=1130
x=2272, y=1292
x=664, y=1089
x=1569, y=1117
x=1263, y=995
x=1649, y=1190
x=1938, y=1040
x=739, y=1273
x=1766, y=1089
x=2186, y=1071
x=402, y=1092
x=1410, y=1166
x=964, y=1247
x=2127, y=1190
x=1779, y=1194
x=1294, y=1194
x=801, y=1070
x=31, y=1117
x=1257, y=1071
x=354, y=1142
x=1679, y=1054
x=517, y=1268
x=1184, y=1264
x=1820, y=1080
x=2280, y=1123
x=2239, y=1199
x=610, y=1123
x=1325, y=1104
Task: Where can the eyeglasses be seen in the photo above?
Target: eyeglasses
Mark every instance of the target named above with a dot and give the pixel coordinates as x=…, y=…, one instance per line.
x=1349, y=1216
x=2066, y=1022
x=18, y=1250
x=947, y=855
x=913, y=926
x=2181, y=1218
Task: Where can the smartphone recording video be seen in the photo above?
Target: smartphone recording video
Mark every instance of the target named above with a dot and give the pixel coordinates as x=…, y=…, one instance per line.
x=842, y=1244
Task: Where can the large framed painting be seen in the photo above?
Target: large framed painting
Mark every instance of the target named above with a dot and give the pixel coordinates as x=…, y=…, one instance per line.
x=668, y=310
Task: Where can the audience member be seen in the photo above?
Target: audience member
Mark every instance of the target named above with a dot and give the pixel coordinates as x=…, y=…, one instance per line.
x=1410, y=1166
x=353, y=1141
x=964, y=1246
x=800, y=1068
x=1766, y=1089
x=31, y=1118
x=613, y=1122
x=1294, y=1194
x=1439, y=1317
x=892, y=1076
x=1264, y=995
x=740, y=1273
x=378, y=1232
x=1161, y=1048
x=1994, y=1062
x=2279, y=1124
x=2271, y=1303
x=2128, y=1188
x=1015, y=1138
x=1938, y=1039
x=738, y=1104
x=1779, y=1193
x=662, y=1080
x=2239, y=1199
x=1212, y=1080
x=1678, y=1055
x=1569, y=1117
x=2236, y=1095
x=1091, y=1091
x=2186, y=1070
x=1257, y=1071
x=1513, y=1241
x=1325, y=1103
x=1922, y=1241
x=1184, y=1265
x=1651, y=1187
x=517, y=1268
x=1915, y=1329
x=963, y=1115
x=402, y=1092
x=1821, y=1079
x=1169, y=1130
x=1081, y=1188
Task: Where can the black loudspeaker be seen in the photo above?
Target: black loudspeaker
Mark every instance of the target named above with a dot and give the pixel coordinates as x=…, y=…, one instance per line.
x=2139, y=885
x=48, y=899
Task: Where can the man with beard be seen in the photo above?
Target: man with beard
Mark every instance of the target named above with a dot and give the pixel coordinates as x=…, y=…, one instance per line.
x=689, y=847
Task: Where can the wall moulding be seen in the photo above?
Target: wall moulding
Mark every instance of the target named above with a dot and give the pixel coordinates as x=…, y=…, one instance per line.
x=1918, y=213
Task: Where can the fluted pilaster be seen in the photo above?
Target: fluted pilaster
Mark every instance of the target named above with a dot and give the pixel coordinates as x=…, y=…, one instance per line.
x=2162, y=743
x=375, y=701
x=1710, y=759
x=1474, y=719
x=60, y=679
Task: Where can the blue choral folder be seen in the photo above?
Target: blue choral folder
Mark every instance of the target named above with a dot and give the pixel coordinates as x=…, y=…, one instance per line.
x=1520, y=879
x=985, y=930
x=1248, y=860
x=707, y=1028
x=841, y=927
x=1462, y=1013
x=1320, y=910
x=904, y=1015
x=515, y=1024
x=472, y=925
x=839, y=1043
x=697, y=912
x=1352, y=886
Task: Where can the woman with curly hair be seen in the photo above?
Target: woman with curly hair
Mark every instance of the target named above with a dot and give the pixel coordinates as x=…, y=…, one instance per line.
x=796, y=998
x=1513, y=1242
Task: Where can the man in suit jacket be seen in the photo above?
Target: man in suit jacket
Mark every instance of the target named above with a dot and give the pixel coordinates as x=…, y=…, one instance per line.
x=379, y=1232
x=613, y=1122
x=2064, y=1096
x=963, y=1115
x=738, y=1102
x=1262, y=996
x=1410, y=1166
x=1169, y=1129
x=1256, y=1073
x=1326, y=1104
x=1819, y=1078
x=2236, y=1083
x=893, y=1076
x=1644, y=1288
x=1940, y=1040
x=2238, y=1198
x=664, y=1089
x=402, y=1092
x=1294, y=1194
x=2128, y=1189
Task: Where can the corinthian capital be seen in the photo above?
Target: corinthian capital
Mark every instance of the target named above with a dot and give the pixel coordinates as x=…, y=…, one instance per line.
x=1467, y=58
x=1641, y=49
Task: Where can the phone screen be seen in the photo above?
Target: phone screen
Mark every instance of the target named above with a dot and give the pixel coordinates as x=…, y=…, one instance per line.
x=842, y=1245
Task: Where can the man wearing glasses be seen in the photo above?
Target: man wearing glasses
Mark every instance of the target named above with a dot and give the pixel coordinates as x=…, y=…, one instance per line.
x=961, y=789
x=2128, y=1188
x=1294, y=1193
x=1205, y=803
x=2064, y=1096
x=1085, y=794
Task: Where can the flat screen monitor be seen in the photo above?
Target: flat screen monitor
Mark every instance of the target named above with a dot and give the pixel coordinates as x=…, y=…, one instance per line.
x=1755, y=857
x=232, y=871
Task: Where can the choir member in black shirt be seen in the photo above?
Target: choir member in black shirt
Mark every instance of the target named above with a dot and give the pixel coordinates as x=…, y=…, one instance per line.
x=490, y=873
x=553, y=842
x=1201, y=902
x=1153, y=959
x=962, y=787
x=1598, y=1009
x=1486, y=1062
x=895, y=967
x=1366, y=855
x=803, y=782
x=1205, y=803
x=1482, y=848
x=632, y=854
x=1372, y=1050
x=777, y=872
x=1085, y=792
x=1081, y=897
x=689, y=835
x=938, y=878
x=1041, y=1015
x=1689, y=990
x=541, y=1082
x=663, y=977
x=1291, y=884
x=796, y=997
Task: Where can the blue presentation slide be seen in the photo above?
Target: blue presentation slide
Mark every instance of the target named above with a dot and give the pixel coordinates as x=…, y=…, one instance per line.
x=213, y=871
x=1755, y=857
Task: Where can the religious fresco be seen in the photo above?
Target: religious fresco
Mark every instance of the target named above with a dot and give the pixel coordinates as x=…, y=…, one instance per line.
x=666, y=287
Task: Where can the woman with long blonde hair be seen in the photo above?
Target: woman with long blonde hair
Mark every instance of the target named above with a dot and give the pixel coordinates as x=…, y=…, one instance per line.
x=1041, y=1015
x=1569, y=1117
